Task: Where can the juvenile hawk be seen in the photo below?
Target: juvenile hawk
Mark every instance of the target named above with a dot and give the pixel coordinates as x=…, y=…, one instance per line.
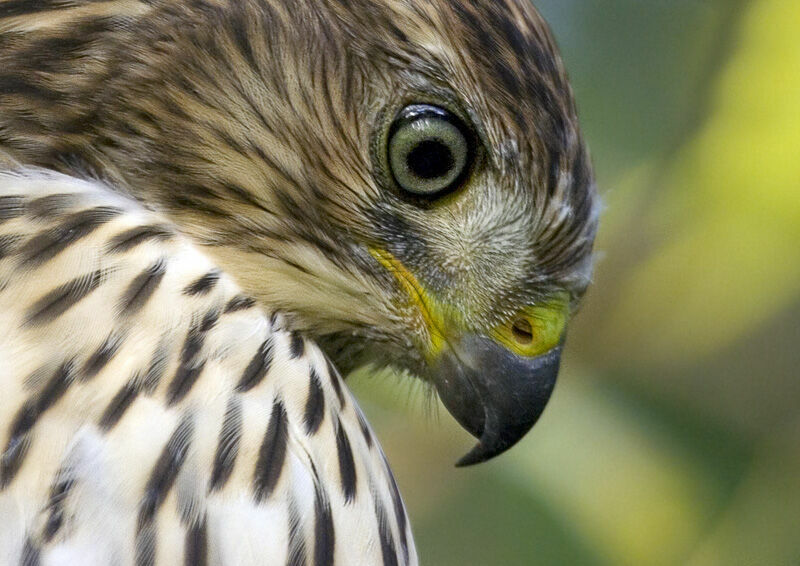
x=210, y=205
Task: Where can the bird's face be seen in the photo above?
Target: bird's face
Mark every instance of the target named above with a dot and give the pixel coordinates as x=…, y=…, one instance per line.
x=481, y=210
x=405, y=179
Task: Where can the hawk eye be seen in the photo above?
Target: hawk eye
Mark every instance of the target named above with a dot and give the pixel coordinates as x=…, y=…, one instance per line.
x=430, y=150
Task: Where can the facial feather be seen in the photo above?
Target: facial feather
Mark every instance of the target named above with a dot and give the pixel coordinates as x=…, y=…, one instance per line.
x=259, y=129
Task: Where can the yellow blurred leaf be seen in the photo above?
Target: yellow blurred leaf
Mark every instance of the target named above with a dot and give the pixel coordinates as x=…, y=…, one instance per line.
x=730, y=258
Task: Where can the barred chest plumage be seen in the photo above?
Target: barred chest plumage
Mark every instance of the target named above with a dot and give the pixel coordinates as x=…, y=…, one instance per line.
x=153, y=414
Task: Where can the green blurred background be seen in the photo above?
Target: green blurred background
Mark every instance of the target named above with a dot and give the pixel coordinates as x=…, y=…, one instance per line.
x=673, y=436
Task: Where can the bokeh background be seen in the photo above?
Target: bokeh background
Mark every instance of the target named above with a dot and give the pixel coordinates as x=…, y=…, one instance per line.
x=673, y=436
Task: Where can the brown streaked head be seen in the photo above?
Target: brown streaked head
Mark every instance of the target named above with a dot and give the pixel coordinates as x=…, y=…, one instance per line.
x=405, y=179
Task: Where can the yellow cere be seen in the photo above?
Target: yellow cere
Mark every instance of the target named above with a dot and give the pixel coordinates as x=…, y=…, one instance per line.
x=431, y=314
x=535, y=329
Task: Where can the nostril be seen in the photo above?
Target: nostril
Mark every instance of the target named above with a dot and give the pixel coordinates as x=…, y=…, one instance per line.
x=522, y=331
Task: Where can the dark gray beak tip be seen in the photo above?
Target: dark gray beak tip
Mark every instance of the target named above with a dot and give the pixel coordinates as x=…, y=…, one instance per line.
x=478, y=455
x=495, y=394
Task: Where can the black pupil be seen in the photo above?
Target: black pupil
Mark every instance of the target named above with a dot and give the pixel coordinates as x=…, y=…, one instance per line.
x=430, y=159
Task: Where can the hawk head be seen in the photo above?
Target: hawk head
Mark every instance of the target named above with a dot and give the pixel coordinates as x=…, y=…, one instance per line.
x=405, y=179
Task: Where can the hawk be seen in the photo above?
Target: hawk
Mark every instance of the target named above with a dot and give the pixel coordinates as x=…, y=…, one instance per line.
x=211, y=208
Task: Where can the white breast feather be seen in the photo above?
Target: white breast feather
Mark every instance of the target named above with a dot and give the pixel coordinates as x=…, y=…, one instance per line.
x=152, y=414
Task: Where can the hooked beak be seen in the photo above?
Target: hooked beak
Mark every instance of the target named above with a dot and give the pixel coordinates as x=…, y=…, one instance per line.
x=494, y=393
x=495, y=387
